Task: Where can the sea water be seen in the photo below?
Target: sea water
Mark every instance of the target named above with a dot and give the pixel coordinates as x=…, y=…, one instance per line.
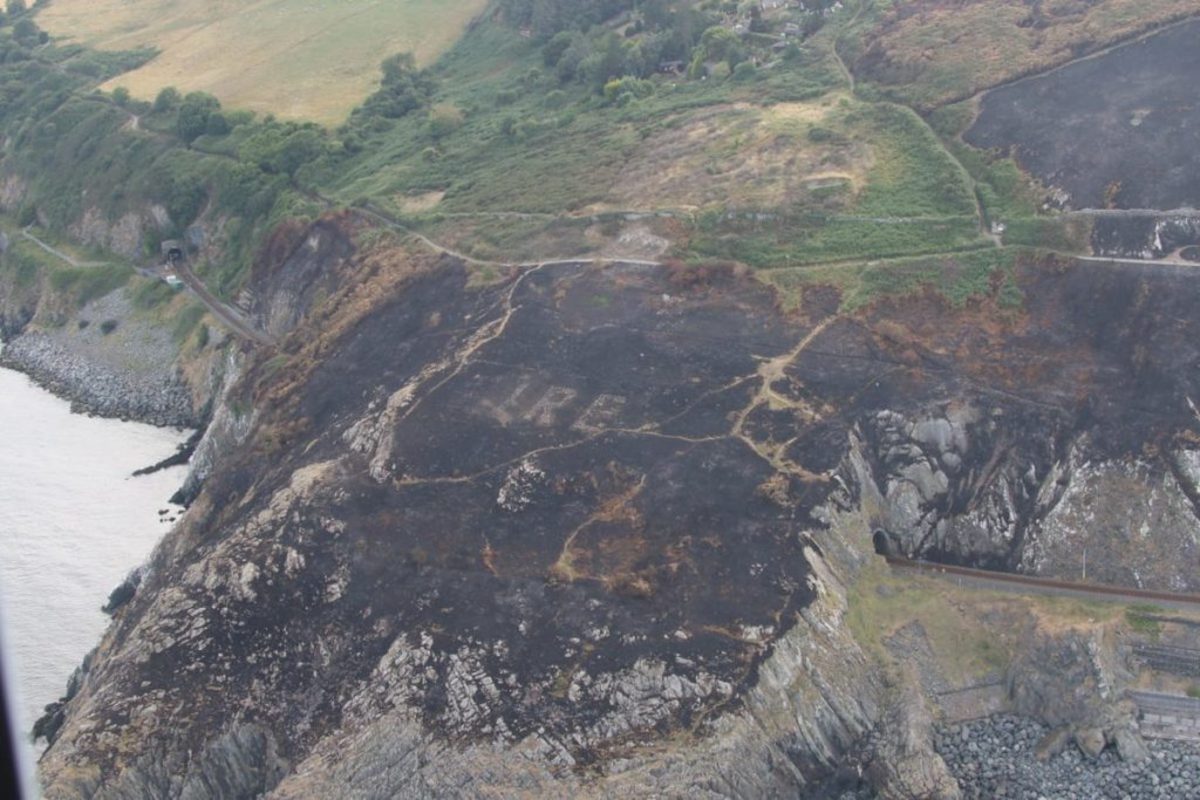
x=73, y=523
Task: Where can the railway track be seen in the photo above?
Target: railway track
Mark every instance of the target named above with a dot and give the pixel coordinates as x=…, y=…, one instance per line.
x=1047, y=585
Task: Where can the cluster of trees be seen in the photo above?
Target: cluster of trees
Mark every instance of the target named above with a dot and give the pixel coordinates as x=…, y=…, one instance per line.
x=598, y=56
x=404, y=88
x=196, y=114
x=25, y=30
x=547, y=17
x=276, y=148
x=282, y=148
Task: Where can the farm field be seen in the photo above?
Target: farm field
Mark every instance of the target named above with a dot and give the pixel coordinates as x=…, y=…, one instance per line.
x=297, y=59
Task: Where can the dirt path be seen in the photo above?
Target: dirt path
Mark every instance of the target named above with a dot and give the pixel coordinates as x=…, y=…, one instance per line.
x=837, y=57
x=59, y=254
x=382, y=218
x=1132, y=212
x=1158, y=262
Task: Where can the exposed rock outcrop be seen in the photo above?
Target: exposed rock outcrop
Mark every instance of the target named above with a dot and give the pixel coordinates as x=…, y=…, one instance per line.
x=502, y=539
x=1074, y=680
x=903, y=763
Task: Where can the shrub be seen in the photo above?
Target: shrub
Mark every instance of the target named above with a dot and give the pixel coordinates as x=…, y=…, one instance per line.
x=444, y=119
x=744, y=72
x=622, y=90
x=186, y=321
x=818, y=134
x=1140, y=618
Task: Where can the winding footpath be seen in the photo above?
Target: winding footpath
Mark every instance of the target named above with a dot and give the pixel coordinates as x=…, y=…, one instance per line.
x=59, y=254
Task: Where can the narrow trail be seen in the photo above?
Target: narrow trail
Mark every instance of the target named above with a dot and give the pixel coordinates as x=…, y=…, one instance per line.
x=1156, y=262
x=769, y=371
x=1131, y=213
x=965, y=174
x=420, y=237
x=837, y=57
x=437, y=247
x=459, y=360
x=74, y=262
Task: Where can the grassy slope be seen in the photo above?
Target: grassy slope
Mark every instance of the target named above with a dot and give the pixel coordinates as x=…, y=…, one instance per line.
x=788, y=167
x=300, y=59
x=565, y=155
x=573, y=154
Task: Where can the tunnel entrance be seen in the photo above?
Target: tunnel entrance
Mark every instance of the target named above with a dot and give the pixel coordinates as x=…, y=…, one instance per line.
x=172, y=252
x=883, y=542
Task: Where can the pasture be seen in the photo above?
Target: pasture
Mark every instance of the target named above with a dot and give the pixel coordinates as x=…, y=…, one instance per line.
x=297, y=59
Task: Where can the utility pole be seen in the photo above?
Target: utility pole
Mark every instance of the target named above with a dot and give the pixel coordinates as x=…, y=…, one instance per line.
x=1085, y=563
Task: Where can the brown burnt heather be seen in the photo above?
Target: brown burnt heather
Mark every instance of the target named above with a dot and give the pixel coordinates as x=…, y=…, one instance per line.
x=574, y=507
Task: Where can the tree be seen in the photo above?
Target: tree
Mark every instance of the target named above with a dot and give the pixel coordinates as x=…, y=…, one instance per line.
x=16, y=8
x=553, y=50
x=120, y=96
x=283, y=149
x=166, y=100
x=217, y=124
x=626, y=89
x=397, y=67
x=194, y=112
x=757, y=23
x=404, y=88
x=607, y=61
x=26, y=32
x=744, y=71
x=300, y=148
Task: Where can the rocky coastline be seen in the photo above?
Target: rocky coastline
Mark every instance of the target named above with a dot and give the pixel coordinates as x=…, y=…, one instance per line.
x=1007, y=756
x=98, y=389
x=1019, y=758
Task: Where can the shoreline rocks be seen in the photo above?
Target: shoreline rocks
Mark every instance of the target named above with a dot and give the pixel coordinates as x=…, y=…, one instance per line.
x=159, y=398
x=998, y=757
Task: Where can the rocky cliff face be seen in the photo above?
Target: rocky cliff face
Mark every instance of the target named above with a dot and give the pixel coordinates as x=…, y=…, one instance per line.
x=1147, y=236
x=589, y=530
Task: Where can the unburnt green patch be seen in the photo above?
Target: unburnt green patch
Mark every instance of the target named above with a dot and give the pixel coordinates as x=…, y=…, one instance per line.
x=960, y=279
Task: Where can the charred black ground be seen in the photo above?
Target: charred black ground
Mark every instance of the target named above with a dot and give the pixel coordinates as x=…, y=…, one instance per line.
x=594, y=468
x=1117, y=130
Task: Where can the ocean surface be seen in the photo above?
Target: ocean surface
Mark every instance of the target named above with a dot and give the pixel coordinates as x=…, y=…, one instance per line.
x=73, y=523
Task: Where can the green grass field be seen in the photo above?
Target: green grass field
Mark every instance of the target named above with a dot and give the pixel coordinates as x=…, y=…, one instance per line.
x=297, y=59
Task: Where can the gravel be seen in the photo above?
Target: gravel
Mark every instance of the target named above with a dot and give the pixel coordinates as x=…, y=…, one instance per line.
x=109, y=362
x=994, y=758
